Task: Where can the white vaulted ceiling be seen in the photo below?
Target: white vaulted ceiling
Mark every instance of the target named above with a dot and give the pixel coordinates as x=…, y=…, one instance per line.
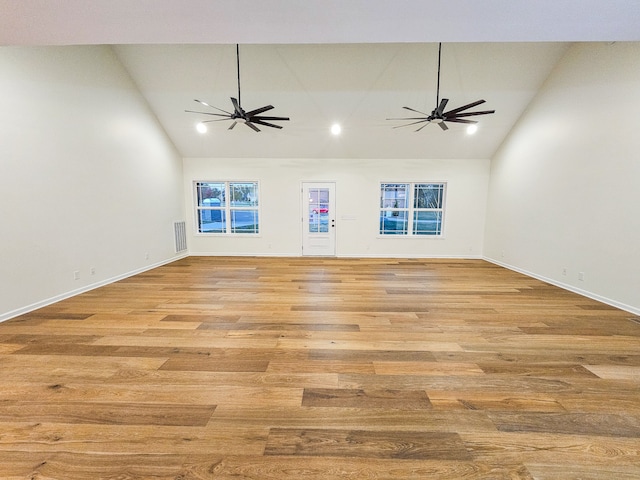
x=324, y=61
x=356, y=85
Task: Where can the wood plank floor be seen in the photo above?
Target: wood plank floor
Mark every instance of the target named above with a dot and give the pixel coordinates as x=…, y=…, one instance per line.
x=290, y=368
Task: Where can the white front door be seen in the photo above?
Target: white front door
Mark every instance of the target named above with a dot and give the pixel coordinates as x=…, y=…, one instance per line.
x=318, y=219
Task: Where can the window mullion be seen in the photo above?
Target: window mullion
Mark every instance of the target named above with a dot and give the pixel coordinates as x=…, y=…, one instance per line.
x=227, y=206
x=410, y=208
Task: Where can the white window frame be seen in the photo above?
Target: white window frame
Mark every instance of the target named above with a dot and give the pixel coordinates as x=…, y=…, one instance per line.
x=410, y=210
x=227, y=209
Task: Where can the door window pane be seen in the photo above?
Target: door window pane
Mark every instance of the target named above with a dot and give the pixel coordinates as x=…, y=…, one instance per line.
x=318, y=210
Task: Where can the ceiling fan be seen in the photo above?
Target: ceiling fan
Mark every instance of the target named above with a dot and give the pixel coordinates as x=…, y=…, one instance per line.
x=239, y=115
x=438, y=115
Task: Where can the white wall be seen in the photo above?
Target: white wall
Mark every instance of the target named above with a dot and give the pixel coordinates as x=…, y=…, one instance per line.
x=565, y=186
x=357, y=205
x=88, y=178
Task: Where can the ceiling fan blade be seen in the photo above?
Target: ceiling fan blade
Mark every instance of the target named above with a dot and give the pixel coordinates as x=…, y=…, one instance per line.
x=417, y=111
x=443, y=126
x=269, y=118
x=443, y=104
x=266, y=124
x=236, y=106
x=428, y=122
x=464, y=107
x=258, y=111
x=409, y=118
x=470, y=114
x=216, y=120
x=459, y=120
x=413, y=123
x=211, y=106
x=209, y=113
x=251, y=125
x=232, y=125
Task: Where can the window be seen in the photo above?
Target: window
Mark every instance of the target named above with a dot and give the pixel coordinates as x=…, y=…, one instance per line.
x=411, y=208
x=227, y=207
x=318, y=210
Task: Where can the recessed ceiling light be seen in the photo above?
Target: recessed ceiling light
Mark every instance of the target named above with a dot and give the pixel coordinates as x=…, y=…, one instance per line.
x=336, y=129
x=201, y=127
x=471, y=129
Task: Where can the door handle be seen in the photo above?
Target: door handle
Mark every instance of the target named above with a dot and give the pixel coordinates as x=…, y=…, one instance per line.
x=333, y=223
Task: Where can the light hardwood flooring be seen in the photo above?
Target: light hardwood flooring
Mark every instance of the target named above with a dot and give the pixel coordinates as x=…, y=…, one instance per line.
x=314, y=368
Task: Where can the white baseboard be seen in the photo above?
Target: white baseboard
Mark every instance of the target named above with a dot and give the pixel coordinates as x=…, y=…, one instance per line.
x=299, y=255
x=564, y=286
x=86, y=288
x=228, y=254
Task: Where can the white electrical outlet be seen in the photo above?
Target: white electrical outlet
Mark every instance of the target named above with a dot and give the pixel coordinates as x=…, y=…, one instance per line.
x=92, y=271
x=564, y=272
x=581, y=276
x=76, y=275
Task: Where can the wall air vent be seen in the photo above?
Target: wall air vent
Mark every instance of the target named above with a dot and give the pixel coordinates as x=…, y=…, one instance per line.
x=180, y=233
